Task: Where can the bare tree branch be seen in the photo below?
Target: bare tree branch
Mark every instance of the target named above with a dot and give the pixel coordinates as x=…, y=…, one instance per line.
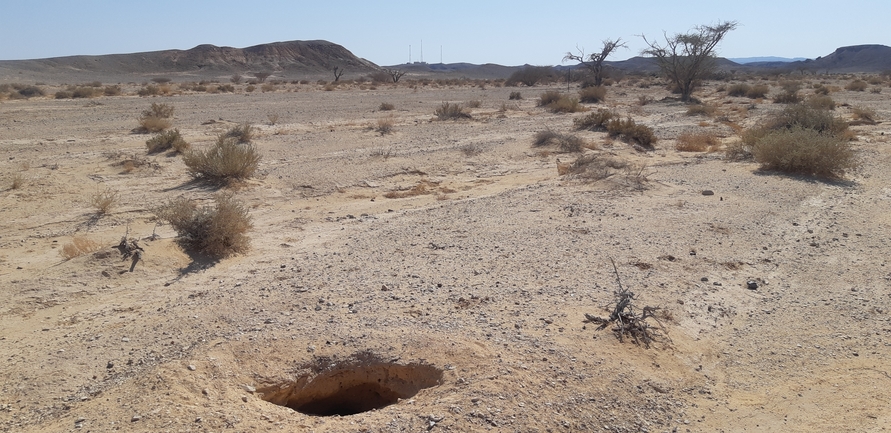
x=594, y=61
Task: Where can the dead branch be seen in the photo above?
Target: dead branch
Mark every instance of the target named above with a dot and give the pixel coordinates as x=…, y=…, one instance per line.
x=130, y=249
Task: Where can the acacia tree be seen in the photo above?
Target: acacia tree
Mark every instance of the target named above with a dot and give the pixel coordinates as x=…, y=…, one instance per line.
x=338, y=72
x=395, y=74
x=594, y=61
x=686, y=59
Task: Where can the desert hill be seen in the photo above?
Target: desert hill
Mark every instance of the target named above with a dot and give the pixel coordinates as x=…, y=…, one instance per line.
x=307, y=57
x=855, y=58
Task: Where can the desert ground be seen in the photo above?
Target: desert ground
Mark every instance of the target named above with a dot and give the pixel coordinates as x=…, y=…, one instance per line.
x=450, y=257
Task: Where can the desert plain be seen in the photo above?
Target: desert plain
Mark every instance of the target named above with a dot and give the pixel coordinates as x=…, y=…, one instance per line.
x=450, y=248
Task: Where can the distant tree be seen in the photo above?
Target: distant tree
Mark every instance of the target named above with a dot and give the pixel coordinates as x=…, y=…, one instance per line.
x=395, y=75
x=686, y=59
x=594, y=61
x=236, y=79
x=262, y=76
x=338, y=72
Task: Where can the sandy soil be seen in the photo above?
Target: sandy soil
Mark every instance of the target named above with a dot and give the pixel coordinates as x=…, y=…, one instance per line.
x=487, y=278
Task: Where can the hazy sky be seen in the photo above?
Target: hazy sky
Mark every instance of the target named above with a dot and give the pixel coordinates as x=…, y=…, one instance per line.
x=504, y=32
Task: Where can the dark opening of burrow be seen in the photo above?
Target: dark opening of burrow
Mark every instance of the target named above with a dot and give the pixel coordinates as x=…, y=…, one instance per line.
x=357, y=385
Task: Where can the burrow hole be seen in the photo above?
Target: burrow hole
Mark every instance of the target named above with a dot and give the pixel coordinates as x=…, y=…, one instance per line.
x=353, y=387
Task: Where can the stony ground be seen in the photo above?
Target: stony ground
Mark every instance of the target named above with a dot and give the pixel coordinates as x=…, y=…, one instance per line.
x=486, y=276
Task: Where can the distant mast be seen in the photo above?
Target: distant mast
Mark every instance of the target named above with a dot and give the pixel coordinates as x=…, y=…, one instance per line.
x=422, y=51
x=440, y=54
x=409, y=54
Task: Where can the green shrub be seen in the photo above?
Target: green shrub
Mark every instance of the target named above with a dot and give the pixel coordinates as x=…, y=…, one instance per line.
x=856, y=86
x=225, y=161
x=592, y=94
x=167, y=140
x=448, y=111
x=217, y=231
x=804, y=151
x=595, y=121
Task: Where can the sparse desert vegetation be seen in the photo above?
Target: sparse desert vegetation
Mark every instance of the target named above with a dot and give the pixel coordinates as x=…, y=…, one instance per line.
x=228, y=159
x=155, y=119
x=218, y=231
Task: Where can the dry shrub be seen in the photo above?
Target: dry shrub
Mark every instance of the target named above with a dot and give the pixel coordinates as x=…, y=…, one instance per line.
x=856, y=86
x=250, y=88
x=267, y=87
x=758, y=91
x=701, y=110
x=273, y=118
x=565, y=142
x=863, y=116
x=645, y=100
x=474, y=103
x=820, y=102
x=559, y=103
x=386, y=106
x=420, y=189
x=628, y=130
x=448, y=111
x=515, y=96
x=29, y=91
x=739, y=89
x=217, y=231
x=18, y=181
x=689, y=142
x=592, y=94
x=471, y=149
x=787, y=97
x=549, y=97
x=79, y=246
x=820, y=89
x=595, y=121
x=112, y=90
x=155, y=119
x=385, y=125
x=149, y=90
x=242, y=133
x=226, y=161
x=167, y=140
x=594, y=167
x=804, y=151
x=104, y=200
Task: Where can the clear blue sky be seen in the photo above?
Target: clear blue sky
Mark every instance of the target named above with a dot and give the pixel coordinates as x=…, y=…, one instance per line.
x=503, y=32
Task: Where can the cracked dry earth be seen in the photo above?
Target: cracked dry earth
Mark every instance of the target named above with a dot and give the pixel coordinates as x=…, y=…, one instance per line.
x=479, y=280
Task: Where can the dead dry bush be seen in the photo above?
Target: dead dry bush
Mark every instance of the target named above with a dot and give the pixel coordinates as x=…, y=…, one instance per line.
x=593, y=94
x=386, y=106
x=856, y=86
x=690, y=142
x=385, y=125
x=701, y=110
x=473, y=103
x=863, y=116
x=565, y=142
x=595, y=121
x=594, y=167
x=804, y=151
x=104, y=201
x=155, y=119
x=820, y=102
x=79, y=246
x=218, y=231
x=559, y=103
x=739, y=89
x=167, y=140
x=794, y=116
x=628, y=130
x=515, y=96
x=18, y=181
x=242, y=133
x=448, y=111
x=225, y=161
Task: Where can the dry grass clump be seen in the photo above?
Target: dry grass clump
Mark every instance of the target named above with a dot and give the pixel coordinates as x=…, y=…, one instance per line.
x=18, y=181
x=420, y=189
x=155, y=119
x=594, y=167
x=689, y=142
x=167, y=140
x=217, y=231
x=739, y=89
x=820, y=89
x=592, y=94
x=804, y=151
x=471, y=149
x=515, y=96
x=856, y=86
x=701, y=110
x=114, y=90
x=448, y=111
x=273, y=118
x=242, y=133
x=79, y=246
x=863, y=116
x=559, y=103
x=628, y=130
x=595, y=121
x=225, y=161
x=385, y=125
x=565, y=142
x=758, y=91
x=386, y=106
x=104, y=200
x=549, y=97
x=474, y=103
x=820, y=102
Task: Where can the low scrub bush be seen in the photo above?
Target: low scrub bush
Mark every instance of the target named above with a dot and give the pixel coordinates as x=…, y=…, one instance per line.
x=112, y=90
x=104, y=200
x=592, y=94
x=820, y=102
x=31, y=91
x=18, y=181
x=793, y=117
x=787, y=97
x=155, y=119
x=739, y=89
x=448, y=111
x=701, y=110
x=864, y=115
x=242, y=133
x=149, y=90
x=689, y=142
x=474, y=103
x=804, y=151
x=225, y=161
x=167, y=140
x=386, y=106
x=217, y=231
x=515, y=96
x=565, y=142
x=549, y=97
x=559, y=103
x=758, y=91
x=856, y=86
x=529, y=76
x=385, y=125
x=628, y=130
x=595, y=121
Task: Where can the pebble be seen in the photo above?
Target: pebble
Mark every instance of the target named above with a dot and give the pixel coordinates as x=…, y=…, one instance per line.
x=125, y=339
x=708, y=192
x=249, y=389
x=135, y=418
x=244, y=398
x=191, y=367
x=752, y=285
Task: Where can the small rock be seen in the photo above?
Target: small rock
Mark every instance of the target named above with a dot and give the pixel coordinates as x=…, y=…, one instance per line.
x=752, y=285
x=80, y=420
x=249, y=389
x=191, y=367
x=708, y=192
x=135, y=418
x=205, y=391
x=125, y=339
x=244, y=398
x=109, y=365
x=716, y=283
x=704, y=279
